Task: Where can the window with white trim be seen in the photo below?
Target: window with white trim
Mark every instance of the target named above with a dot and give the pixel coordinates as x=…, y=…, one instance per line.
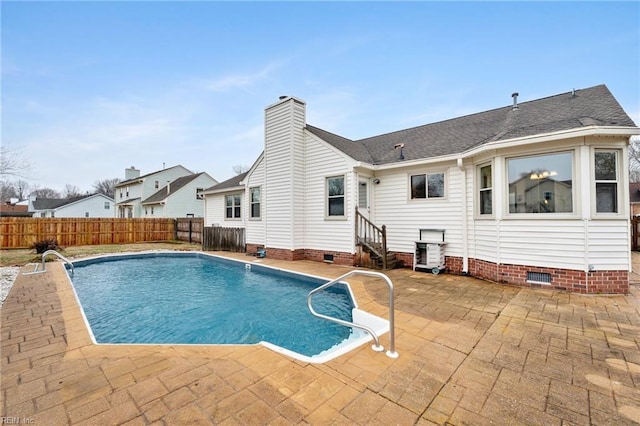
x=541, y=183
x=485, y=198
x=427, y=186
x=199, y=195
x=233, y=206
x=335, y=196
x=255, y=202
x=107, y=205
x=606, y=180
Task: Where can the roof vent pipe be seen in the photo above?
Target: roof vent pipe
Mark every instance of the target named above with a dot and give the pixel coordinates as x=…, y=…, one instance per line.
x=515, y=100
x=283, y=97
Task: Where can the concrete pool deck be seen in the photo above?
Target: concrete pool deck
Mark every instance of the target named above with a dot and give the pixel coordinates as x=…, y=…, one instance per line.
x=471, y=352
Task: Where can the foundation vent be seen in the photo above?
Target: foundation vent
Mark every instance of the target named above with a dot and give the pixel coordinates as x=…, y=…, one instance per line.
x=538, y=277
x=328, y=258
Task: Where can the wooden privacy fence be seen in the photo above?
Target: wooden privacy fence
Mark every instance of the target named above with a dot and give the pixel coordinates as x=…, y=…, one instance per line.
x=224, y=239
x=189, y=229
x=21, y=232
x=635, y=233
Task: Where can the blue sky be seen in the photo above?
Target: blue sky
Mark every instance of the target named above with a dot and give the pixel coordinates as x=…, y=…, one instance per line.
x=91, y=88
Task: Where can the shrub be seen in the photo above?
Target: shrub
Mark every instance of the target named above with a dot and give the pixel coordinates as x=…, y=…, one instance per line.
x=46, y=244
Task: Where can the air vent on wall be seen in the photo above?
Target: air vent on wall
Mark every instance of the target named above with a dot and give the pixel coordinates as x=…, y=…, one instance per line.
x=538, y=277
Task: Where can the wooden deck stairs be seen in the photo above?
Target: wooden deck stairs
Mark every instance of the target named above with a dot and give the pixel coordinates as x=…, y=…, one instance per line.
x=373, y=242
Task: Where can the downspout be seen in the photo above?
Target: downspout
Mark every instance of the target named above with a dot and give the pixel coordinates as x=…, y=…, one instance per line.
x=465, y=230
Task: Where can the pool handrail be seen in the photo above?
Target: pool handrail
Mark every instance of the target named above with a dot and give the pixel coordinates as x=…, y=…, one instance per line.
x=391, y=353
x=48, y=252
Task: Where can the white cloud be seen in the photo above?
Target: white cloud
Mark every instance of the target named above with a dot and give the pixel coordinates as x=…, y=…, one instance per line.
x=241, y=81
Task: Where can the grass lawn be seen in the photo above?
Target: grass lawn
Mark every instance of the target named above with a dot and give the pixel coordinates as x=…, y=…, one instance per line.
x=20, y=257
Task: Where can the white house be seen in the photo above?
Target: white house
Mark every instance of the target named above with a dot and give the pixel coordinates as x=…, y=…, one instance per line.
x=180, y=198
x=95, y=205
x=135, y=189
x=534, y=193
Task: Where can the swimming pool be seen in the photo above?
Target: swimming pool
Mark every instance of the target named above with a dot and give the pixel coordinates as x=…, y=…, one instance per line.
x=198, y=298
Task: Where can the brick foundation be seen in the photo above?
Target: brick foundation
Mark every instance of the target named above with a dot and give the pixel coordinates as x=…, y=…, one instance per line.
x=284, y=254
x=597, y=282
x=339, y=258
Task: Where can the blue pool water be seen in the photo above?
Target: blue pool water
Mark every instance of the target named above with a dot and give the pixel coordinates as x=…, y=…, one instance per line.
x=192, y=298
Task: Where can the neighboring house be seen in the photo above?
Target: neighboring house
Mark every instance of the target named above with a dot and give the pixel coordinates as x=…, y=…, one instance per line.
x=94, y=205
x=135, y=189
x=634, y=198
x=534, y=193
x=14, y=210
x=180, y=198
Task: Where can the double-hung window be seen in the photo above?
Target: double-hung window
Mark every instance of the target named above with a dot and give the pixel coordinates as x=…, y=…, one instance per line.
x=255, y=202
x=606, y=180
x=233, y=206
x=335, y=196
x=486, y=190
x=427, y=186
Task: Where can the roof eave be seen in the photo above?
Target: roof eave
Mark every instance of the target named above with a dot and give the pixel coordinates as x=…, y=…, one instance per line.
x=223, y=190
x=509, y=143
x=549, y=137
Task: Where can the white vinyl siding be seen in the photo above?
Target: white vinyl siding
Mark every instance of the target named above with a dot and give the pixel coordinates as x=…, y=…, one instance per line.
x=256, y=228
x=182, y=202
x=323, y=161
x=404, y=217
x=284, y=163
x=544, y=243
x=608, y=244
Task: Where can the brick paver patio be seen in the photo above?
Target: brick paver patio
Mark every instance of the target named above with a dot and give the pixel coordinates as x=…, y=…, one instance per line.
x=471, y=352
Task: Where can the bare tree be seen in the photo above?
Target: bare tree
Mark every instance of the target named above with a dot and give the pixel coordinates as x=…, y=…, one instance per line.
x=45, y=193
x=239, y=169
x=11, y=164
x=106, y=186
x=634, y=159
x=71, y=191
x=22, y=189
x=7, y=191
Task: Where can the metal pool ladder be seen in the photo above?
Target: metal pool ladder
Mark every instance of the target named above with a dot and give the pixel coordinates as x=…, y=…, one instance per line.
x=391, y=353
x=67, y=261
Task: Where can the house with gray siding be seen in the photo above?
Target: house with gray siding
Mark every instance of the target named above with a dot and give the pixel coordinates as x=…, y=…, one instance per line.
x=532, y=193
x=93, y=205
x=151, y=194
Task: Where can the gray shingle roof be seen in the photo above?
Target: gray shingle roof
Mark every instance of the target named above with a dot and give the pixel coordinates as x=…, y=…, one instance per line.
x=572, y=110
x=54, y=203
x=174, y=186
x=229, y=184
x=354, y=150
x=124, y=182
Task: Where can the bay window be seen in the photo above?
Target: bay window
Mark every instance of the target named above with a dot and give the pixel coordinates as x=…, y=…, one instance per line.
x=606, y=180
x=486, y=190
x=541, y=183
